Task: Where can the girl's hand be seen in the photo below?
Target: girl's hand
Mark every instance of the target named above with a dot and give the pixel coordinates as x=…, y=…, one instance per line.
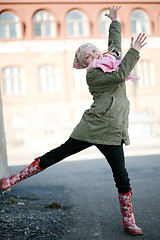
x=113, y=12
x=139, y=43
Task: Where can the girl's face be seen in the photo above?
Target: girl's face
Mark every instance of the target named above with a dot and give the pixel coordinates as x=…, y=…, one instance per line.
x=92, y=53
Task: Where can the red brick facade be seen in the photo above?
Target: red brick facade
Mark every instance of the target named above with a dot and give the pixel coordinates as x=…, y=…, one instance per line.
x=39, y=114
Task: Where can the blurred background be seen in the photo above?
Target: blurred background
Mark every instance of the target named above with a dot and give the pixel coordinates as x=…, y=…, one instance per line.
x=43, y=97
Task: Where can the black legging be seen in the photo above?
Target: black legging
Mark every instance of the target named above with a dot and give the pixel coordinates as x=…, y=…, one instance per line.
x=113, y=154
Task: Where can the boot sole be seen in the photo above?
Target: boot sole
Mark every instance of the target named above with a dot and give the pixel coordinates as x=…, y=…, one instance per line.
x=127, y=230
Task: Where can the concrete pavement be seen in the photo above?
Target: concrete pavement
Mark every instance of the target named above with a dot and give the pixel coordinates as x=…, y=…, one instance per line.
x=89, y=190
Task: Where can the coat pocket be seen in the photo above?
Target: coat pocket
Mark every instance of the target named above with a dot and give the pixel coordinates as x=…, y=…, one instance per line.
x=101, y=108
x=109, y=108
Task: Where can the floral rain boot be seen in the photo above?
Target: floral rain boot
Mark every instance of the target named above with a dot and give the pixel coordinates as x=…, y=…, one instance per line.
x=127, y=213
x=29, y=171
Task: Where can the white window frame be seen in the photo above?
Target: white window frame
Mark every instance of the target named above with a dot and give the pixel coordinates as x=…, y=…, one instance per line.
x=49, y=78
x=13, y=80
x=8, y=24
x=145, y=70
x=104, y=23
x=82, y=20
x=44, y=18
x=140, y=22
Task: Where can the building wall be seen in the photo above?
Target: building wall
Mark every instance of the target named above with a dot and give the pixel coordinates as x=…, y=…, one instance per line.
x=35, y=118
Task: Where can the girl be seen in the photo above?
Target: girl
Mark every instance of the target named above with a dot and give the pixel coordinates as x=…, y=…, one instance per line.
x=105, y=124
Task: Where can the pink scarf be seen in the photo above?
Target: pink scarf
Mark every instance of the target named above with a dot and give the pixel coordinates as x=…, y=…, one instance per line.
x=109, y=64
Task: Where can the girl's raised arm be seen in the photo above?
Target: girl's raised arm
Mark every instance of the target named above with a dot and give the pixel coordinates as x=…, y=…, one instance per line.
x=114, y=41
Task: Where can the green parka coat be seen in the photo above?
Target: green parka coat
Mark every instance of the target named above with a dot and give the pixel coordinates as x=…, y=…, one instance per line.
x=106, y=122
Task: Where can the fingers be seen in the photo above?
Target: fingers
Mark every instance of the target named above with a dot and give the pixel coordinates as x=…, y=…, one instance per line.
x=140, y=42
x=113, y=9
x=116, y=8
x=141, y=39
x=132, y=39
x=106, y=14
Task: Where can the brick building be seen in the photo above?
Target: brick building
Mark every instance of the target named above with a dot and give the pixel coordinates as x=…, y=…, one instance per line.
x=43, y=96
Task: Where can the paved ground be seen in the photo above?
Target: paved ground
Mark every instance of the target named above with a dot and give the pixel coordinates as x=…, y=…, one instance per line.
x=89, y=208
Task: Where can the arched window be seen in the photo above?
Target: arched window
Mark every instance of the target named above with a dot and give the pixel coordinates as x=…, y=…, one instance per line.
x=44, y=24
x=13, y=80
x=49, y=80
x=104, y=23
x=139, y=22
x=9, y=25
x=77, y=24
